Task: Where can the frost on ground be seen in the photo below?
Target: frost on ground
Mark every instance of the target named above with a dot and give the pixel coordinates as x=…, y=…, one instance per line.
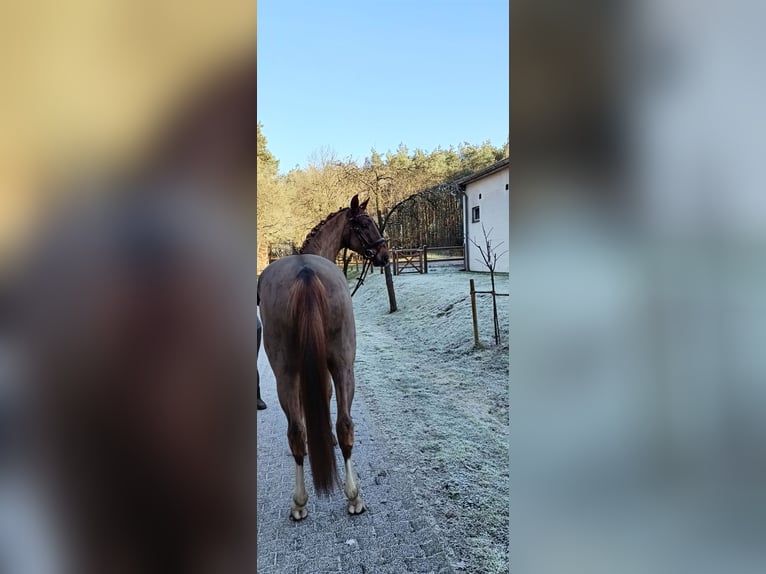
x=441, y=405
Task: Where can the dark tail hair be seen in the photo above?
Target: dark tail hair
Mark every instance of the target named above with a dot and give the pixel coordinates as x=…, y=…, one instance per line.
x=308, y=308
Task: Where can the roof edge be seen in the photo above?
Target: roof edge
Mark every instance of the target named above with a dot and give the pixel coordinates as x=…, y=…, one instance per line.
x=490, y=169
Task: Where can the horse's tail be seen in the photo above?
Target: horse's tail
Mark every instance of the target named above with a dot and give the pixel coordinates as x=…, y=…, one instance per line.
x=308, y=309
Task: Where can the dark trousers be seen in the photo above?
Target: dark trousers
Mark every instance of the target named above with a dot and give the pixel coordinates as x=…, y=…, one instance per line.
x=257, y=375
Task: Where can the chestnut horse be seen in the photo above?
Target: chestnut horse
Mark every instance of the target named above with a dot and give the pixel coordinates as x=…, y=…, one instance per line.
x=309, y=334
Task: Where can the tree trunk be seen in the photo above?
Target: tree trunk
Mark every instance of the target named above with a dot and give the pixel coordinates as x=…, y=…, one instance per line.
x=390, y=288
x=382, y=221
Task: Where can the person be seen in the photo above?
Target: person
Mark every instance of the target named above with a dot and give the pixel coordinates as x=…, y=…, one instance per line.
x=261, y=404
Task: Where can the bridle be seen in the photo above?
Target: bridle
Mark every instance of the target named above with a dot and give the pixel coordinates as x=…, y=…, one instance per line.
x=369, y=250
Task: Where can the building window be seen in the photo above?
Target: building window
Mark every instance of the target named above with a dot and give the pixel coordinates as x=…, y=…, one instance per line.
x=475, y=214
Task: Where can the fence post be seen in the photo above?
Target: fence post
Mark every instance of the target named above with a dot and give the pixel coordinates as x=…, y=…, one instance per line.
x=425, y=259
x=473, y=312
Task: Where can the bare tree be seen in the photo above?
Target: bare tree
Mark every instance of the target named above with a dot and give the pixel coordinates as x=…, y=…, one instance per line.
x=489, y=256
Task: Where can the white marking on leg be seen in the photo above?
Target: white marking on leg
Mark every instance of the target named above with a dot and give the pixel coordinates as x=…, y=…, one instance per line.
x=300, y=496
x=351, y=488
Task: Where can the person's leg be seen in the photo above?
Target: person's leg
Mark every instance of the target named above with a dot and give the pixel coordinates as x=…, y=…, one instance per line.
x=261, y=404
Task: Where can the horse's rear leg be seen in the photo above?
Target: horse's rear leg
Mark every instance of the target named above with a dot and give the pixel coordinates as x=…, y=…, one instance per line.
x=344, y=427
x=329, y=398
x=296, y=437
x=287, y=392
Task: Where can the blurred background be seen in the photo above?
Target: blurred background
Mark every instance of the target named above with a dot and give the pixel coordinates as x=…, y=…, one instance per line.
x=638, y=243
x=87, y=83
x=86, y=89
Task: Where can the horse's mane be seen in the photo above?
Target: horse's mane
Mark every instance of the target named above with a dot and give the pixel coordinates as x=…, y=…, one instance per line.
x=319, y=226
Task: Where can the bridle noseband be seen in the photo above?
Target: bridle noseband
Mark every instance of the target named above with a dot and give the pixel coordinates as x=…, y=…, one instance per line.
x=369, y=249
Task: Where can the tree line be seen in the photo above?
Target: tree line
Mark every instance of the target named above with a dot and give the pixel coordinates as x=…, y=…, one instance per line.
x=290, y=204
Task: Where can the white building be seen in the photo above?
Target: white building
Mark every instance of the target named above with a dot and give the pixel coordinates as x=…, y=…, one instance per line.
x=485, y=202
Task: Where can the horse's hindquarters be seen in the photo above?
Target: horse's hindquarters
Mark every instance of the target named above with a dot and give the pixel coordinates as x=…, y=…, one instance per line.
x=273, y=291
x=308, y=333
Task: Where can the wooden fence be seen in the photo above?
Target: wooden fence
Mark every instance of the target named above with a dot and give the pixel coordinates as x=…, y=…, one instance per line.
x=353, y=261
x=474, y=316
x=416, y=260
x=279, y=250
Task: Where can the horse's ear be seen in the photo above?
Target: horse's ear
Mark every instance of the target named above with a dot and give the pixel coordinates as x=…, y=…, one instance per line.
x=355, y=202
x=363, y=205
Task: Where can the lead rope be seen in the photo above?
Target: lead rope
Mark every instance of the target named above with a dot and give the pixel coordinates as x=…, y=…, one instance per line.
x=366, y=266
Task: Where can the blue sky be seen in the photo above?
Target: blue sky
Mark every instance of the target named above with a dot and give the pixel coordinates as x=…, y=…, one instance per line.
x=355, y=75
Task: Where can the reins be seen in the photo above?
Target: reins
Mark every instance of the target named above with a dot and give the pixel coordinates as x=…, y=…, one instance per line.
x=369, y=253
x=366, y=266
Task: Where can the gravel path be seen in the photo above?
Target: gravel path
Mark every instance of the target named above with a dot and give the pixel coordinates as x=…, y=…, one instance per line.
x=391, y=537
x=431, y=415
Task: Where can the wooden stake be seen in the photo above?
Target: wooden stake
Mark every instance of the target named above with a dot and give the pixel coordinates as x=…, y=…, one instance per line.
x=473, y=312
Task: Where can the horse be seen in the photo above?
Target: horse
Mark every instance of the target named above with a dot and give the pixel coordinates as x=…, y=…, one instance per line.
x=135, y=309
x=309, y=334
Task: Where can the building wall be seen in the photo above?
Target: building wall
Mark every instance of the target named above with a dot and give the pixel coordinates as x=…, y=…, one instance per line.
x=493, y=213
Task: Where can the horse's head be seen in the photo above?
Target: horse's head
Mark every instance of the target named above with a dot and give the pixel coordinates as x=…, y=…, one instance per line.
x=364, y=236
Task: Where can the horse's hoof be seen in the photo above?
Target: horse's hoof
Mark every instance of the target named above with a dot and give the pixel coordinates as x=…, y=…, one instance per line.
x=298, y=513
x=261, y=405
x=356, y=506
